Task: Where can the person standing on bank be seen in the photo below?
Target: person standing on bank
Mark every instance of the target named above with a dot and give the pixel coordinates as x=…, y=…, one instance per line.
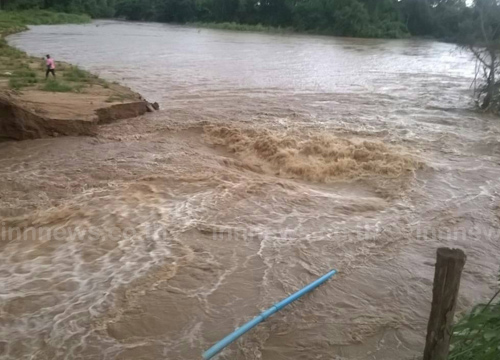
x=51, y=67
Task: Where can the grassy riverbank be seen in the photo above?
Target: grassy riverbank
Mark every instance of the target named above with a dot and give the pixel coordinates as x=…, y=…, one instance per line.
x=15, y=21
x=72, y=104
x=18, y=71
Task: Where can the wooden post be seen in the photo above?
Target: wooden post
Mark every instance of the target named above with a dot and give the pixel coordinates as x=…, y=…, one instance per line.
x=449, y=265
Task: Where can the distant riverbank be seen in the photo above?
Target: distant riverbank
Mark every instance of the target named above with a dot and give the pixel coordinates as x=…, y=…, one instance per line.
x=15, y=21
x=242, y=27
x=233, y=26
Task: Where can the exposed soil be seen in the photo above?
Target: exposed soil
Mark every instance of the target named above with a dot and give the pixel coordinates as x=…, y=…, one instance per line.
x=67, y=114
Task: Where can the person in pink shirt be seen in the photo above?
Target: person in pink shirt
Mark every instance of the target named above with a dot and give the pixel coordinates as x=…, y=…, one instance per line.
x=51, y=67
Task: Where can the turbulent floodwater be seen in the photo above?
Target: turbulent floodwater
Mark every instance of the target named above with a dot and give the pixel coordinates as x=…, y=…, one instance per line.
x=275, y=158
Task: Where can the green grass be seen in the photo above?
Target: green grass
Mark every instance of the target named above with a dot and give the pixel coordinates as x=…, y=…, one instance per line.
x=22, y=78
x=55, y=85
x=24, y=71
x=75, y=74
x=73, y=79
x=477, y=335
x=10, y=52
x=19, y=83
x=15, y=64
x=15, y=61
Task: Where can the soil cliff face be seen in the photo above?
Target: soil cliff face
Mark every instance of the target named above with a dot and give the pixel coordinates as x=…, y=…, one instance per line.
x=19, y=122
x=121, y=111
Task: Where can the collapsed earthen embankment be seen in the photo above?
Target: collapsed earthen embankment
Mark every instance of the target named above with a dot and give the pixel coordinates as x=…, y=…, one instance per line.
x=19, y=121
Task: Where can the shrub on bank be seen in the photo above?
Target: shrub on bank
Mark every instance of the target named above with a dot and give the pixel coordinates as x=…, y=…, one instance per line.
x=477, y=335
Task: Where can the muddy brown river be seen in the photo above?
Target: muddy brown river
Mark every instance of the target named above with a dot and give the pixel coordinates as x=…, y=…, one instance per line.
x=275, y=158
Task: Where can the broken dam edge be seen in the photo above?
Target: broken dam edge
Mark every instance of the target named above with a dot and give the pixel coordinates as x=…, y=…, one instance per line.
x=18, y=122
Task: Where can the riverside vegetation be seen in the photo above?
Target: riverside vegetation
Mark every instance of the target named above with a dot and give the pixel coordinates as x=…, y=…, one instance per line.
x=18, y=71
x=360, y=18
x=476, y=335
x=475, y=26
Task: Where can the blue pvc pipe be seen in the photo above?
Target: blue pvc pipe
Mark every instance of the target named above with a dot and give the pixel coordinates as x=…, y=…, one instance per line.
x=214, y=350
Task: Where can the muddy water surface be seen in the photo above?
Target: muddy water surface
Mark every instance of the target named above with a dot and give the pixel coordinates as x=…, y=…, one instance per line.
x=275, y=158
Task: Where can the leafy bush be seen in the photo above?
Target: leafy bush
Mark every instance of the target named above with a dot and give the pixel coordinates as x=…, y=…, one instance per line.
x=477, y=335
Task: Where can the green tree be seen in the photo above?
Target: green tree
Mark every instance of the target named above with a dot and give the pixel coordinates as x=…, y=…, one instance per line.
x=177, y=11
x=363, y=18
x=136, y=9
x=418, y=17
x=480, y=35
x=223, y=10
x=313, y=15
x=351, y=18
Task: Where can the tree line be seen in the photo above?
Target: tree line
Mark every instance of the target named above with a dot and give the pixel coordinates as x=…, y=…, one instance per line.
x=361, y=18
x=473, y=26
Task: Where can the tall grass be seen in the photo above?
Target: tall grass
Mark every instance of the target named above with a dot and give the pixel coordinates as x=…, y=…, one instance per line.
x=19, y=83
x=74, y=73
x=53, y=85
x=22, y=78
x=477, y=335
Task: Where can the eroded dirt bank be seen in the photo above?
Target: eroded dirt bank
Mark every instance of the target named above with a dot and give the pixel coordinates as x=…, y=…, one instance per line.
x=35, y=115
